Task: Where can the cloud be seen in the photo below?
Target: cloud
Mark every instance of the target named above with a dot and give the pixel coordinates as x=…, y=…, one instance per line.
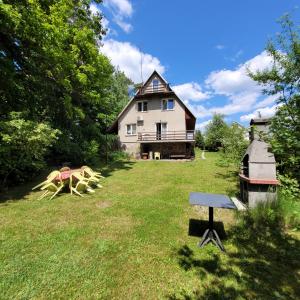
x=219, y=47
x=265, y=112
x=201, y=126
x=236, y=56
x=199, y=110
x=267, y=101
x=190, y=91
x=94, y=8
x=234, y=82
x=121, y=10
x=124, y=25
x=128, y=58
x=241, y=91
x=121, y=7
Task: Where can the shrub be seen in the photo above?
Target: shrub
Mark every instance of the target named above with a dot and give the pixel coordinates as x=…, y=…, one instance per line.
x=23, y=146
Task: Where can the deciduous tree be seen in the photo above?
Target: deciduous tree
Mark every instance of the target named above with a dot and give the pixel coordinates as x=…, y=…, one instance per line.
x=283, y=80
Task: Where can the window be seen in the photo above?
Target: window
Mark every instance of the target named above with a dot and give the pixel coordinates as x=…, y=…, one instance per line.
x=131, y=129
x=143, y=106
x=167, y=104
x=155, y=83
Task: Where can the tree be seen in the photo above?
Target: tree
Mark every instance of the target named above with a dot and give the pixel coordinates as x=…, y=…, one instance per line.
x=215, y=132
x=54, y=73
x=199, y=139
x=234, y=144
x=283, y=80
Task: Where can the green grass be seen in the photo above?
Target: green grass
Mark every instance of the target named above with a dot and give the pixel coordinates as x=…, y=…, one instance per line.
x=130, y=240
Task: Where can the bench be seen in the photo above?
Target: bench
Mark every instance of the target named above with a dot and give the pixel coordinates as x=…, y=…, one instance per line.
x=179, y=156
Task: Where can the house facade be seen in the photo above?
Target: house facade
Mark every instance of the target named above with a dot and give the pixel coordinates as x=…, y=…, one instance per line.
x=156, y=121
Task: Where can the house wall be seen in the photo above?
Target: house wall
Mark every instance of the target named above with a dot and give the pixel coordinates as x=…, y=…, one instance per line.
x=175, y=120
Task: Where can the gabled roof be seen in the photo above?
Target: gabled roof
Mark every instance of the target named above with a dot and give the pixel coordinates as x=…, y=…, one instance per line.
x=155, y=73
x=260, y=121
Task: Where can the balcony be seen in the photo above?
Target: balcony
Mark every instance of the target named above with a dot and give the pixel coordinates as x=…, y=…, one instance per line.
x=150, y=89
x=168, y=136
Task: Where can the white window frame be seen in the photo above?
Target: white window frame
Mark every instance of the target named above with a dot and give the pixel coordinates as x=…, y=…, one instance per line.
x=131, y=131
x=166, y=100
x=143, y=106
x=154, y=86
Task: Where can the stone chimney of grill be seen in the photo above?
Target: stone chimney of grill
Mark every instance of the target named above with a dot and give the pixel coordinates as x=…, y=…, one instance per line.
x=258, y=167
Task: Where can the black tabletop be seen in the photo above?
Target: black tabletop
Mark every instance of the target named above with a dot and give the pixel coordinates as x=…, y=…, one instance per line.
x=212, y=200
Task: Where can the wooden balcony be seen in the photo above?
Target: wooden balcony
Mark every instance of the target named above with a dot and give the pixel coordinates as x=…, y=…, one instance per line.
x=160, y=88
x=168, y=136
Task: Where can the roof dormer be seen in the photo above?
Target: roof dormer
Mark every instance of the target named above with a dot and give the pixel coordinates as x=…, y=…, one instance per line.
x=155, y=84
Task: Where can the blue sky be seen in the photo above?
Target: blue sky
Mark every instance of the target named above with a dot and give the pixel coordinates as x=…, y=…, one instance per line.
x=202, y=48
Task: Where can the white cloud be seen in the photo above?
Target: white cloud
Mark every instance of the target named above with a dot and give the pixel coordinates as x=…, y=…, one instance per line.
x=127, y=27
x=267, y=101
x=120, y=9
x=199, y=111
x=233, y=82
x=128, y=58
x=202, y=125
x=236, y=56
x=242, y=92
x=94, y=8
x=190, y=91
x=265, y=112
x=220, y=47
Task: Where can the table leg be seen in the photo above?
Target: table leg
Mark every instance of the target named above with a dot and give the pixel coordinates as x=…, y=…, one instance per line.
x=211, y=218
x=210, y=234
x=201, y=243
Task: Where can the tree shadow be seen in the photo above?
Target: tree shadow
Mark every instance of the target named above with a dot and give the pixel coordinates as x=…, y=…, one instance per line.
x=198, y=227
x=22, y=191
x=109, y=169
x=263, y=262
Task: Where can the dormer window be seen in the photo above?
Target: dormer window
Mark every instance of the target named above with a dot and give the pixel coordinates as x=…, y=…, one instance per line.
x=143, y=106
x=167, y=104
x=155, y=83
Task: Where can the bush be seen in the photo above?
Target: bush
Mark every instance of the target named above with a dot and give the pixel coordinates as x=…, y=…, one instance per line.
x=289, y=187
x=23, y=146
x=91, y=152
x=118, y=155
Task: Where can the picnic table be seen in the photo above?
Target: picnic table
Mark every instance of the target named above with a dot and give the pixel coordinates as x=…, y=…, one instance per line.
x=211, y=201
x=65, y=175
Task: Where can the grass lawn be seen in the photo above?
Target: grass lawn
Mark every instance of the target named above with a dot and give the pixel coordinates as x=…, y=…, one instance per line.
x=137, y=239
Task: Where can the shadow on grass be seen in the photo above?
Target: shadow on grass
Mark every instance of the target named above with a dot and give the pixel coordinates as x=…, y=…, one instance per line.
x=108, y=170
x=20, y=192
x=263, y=264
x=198, y=227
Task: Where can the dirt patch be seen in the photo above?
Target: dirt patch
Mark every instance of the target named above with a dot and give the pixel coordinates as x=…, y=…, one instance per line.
x=104, y=204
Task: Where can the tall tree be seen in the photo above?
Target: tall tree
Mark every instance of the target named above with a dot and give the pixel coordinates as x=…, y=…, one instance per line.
x=283, y=80
x=214, y=132
x=234, y=144
x=53, y=72
x=199, y=139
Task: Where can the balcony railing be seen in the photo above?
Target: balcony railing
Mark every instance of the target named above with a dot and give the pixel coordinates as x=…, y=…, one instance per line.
x=188, y=135
x=160, y=88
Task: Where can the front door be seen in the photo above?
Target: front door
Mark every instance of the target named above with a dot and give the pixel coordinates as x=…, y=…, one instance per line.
x=161, y=130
